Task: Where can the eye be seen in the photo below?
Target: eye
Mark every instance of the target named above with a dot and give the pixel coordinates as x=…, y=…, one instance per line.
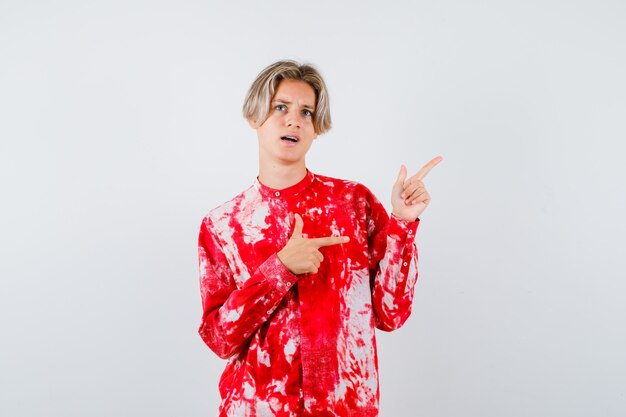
x=307, y=113
x=281, y=107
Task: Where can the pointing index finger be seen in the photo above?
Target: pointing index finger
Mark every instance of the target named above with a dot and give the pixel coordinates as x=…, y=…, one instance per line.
x=426, y=168
x=330, y=240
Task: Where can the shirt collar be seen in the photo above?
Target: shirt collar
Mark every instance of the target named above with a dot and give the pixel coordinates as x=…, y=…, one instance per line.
x=288, y=192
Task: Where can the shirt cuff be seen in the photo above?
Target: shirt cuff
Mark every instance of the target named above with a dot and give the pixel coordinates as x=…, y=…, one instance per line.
x=402, y=229
x=277, y=274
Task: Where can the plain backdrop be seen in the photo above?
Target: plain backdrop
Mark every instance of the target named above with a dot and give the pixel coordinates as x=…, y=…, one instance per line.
x=120, y=128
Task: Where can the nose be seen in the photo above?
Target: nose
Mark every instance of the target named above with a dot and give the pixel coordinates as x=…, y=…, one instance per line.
x=293, y=119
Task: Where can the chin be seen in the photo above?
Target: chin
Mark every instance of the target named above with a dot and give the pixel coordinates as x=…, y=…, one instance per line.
x=290, y=161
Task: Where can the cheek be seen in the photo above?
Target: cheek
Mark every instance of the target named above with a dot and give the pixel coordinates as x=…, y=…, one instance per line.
x=310, y=125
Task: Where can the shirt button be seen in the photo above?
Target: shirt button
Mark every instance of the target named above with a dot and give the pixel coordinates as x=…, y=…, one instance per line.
x=277, y=193
x=404, y=263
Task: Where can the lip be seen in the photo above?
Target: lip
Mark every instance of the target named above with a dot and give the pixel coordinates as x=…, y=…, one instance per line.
x=291, y=134
x=288, y=142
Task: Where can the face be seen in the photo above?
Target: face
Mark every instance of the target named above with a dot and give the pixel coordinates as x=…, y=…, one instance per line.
x=288, y=132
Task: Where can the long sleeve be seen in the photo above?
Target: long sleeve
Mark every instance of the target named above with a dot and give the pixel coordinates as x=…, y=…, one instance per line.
x=303, y=345
x=392, y=264
x=231, y=314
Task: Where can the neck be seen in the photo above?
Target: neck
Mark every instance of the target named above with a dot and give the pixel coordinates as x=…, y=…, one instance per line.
x=280, y=177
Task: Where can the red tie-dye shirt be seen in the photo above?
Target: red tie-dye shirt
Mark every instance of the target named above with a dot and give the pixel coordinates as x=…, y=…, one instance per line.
x=303, y=345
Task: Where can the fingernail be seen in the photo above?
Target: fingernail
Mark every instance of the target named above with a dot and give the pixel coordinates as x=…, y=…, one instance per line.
x=346, y=239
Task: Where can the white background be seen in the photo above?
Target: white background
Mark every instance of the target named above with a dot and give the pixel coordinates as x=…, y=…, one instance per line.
x=120, y=128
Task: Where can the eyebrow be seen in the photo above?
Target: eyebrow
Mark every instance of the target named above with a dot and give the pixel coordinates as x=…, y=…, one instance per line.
x=283, y=101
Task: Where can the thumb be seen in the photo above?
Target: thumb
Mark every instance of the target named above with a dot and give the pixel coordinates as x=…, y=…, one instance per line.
x=297, y=228
x=401, y=176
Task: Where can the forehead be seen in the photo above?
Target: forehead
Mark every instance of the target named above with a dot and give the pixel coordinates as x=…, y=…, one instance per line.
x=295, y=91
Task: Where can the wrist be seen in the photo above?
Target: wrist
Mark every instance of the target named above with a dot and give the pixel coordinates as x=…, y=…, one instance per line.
x=399, y=216
x=281, y=257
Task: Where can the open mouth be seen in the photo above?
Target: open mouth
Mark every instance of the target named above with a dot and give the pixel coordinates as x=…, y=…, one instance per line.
x=290, y=138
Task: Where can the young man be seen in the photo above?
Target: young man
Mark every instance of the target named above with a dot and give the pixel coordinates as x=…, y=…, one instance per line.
x=298, y=270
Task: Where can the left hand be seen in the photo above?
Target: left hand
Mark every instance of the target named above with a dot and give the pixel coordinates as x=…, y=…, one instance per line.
x=409, y=197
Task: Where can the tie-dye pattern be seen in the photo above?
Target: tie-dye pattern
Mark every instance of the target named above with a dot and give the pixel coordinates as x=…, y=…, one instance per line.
x=303, y=345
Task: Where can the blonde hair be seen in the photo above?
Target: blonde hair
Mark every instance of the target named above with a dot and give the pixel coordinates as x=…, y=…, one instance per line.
x=256, y=106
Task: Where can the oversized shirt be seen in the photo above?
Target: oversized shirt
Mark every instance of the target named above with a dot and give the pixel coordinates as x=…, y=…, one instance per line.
x=303, y=345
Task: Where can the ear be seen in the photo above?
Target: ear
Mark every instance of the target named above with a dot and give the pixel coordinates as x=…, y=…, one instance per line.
x=252, y=123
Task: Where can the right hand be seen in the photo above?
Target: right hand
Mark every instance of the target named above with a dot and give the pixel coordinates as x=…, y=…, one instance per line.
x=301, y=255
